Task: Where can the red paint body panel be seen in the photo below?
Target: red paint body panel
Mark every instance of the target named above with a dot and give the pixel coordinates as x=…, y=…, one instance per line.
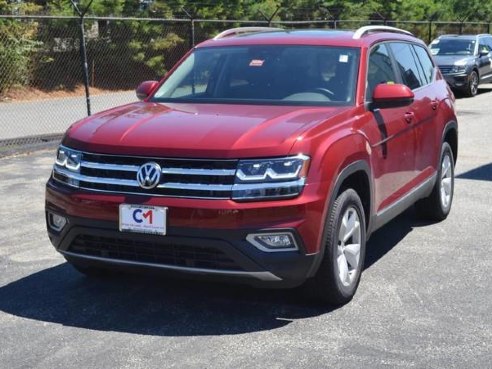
x=196, y=130
x=302, y=213
x=392, y=92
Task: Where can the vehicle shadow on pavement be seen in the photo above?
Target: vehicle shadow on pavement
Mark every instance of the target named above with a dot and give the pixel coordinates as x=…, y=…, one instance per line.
x=482, y=173
x=169, y=307
x=151, y=306
x=386, y=238
x=481, y=90
x=484, y=89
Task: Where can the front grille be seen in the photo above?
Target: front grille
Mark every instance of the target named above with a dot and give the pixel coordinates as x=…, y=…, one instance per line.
x=195, y=178
x=445, y=69
x=153, y=252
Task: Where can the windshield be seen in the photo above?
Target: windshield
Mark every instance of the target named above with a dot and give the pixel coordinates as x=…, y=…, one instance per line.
x=452, y=47
x=264, y=74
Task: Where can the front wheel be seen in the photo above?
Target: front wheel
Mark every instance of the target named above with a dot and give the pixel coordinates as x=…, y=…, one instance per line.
x=472, y=86
x=437, y=206
x=339, y=274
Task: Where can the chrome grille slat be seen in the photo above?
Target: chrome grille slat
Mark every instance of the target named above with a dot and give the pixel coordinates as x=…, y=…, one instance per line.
x=199, y=172
x=190, y=178
x=195, y=186
x=182, y=171
x=183, y=178
x=128, y=168
x=446, y=69
x=83, y=178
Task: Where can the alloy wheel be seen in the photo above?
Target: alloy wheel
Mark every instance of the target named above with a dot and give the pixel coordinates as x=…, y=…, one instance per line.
x=446, y=181
x=349, y=245
x=474, y=84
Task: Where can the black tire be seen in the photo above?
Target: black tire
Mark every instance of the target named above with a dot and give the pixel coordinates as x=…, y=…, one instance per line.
x=472, y=85
x=327, y=284
x=434, y=207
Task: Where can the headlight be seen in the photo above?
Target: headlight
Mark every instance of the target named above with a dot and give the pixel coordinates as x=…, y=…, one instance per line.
x=270, y=178
x=67, y=166
x=68, y=158
x=458, y=69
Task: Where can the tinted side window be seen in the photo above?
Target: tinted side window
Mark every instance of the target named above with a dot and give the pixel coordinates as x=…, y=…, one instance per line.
x=484, y=45
x=407, y=63
x=425, y=62
x=488, y=41
x=380, y=69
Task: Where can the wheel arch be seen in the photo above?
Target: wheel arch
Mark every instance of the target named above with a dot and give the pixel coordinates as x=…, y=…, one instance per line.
x=450, y=135
x=476, y=69
x=356, y=174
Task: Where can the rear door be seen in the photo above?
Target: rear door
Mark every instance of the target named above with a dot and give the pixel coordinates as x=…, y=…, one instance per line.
x=432, y=93
x=418, y=72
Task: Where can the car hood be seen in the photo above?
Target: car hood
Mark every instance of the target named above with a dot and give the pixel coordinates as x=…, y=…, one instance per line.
x=453, y=59
x=196, y=130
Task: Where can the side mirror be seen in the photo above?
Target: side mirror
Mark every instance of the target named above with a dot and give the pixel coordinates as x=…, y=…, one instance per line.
x=145, y=89
x=484, y=52
x=391, y=96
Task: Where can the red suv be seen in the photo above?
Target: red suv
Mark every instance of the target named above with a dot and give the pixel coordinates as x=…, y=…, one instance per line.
x=265, y=156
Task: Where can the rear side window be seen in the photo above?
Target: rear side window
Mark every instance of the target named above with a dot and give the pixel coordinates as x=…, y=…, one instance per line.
x=408, y=65
x=425, y=62
x=380, y=69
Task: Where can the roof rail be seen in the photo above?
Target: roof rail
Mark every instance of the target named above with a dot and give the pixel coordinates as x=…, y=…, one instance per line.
x=369, y=29
x=244, y=30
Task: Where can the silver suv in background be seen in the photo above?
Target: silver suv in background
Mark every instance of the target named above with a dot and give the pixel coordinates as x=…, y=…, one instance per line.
x=464, y=60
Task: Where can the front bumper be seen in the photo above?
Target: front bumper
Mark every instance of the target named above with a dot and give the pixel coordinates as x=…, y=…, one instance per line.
x=457, y=81
x=196, y=244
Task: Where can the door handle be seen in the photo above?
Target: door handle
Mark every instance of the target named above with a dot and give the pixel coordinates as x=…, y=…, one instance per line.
x=434, y=104
x=409, y=117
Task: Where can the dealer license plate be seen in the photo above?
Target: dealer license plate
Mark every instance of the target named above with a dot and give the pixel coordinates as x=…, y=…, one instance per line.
x=143, y=219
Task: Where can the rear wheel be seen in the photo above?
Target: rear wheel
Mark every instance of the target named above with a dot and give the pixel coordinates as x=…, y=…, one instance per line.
x=339, y=274
x=437, y=206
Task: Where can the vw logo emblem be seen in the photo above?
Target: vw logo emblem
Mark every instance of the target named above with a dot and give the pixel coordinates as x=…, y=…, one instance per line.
x=149, y=175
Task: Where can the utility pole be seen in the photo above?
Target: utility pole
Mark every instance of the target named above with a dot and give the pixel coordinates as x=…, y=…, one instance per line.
x=191, y=16
x=83, y=50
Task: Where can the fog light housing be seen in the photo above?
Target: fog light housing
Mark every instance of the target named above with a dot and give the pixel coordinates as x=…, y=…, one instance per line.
x=273, y=242
x=56, y=222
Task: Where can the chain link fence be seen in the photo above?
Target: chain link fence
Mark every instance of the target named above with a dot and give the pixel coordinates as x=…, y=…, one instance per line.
x=41, y=77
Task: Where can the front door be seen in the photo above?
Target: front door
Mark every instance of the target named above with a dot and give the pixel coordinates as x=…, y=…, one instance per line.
x=390, y=134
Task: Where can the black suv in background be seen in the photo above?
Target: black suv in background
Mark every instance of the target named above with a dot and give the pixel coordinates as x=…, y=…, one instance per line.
x=464, y=60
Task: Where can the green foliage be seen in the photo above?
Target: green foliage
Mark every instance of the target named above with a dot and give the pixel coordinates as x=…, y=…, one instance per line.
x=148, y=44
x=131, y=51
x=121, y=53
x=20, y=8
x=395, y=10
x=17, y=43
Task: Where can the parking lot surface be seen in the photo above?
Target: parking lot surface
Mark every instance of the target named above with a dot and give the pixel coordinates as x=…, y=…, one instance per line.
x=425, y=298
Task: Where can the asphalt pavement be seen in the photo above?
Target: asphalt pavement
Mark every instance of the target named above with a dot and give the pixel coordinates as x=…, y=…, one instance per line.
x=424, y=301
